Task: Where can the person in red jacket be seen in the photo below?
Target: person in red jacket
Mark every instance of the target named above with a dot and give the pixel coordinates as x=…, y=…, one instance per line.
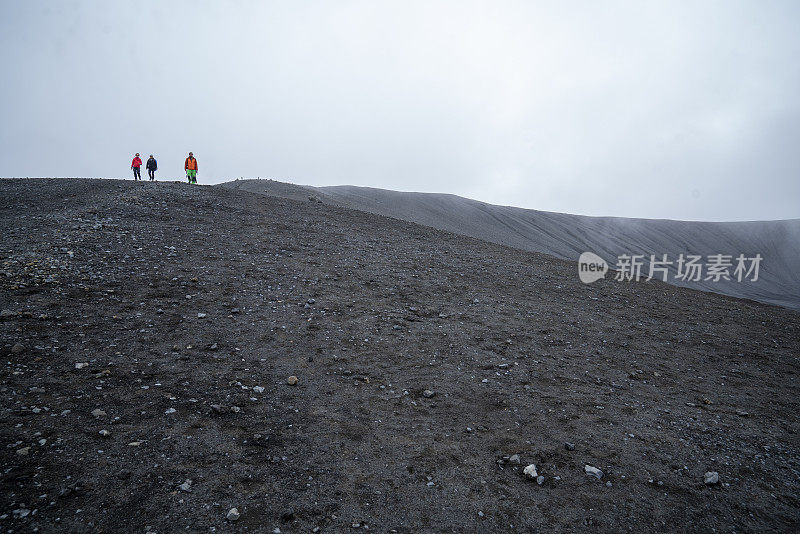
x=191, y=169
x=136, y=165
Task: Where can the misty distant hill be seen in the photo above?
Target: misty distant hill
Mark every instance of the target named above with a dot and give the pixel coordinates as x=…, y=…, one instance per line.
x=567, y=236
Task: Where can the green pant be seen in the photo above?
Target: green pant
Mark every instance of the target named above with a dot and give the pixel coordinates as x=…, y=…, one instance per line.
x=191, y=175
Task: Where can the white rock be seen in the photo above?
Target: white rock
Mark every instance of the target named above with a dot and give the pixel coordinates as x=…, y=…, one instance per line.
x=81, y=365
x=258, y=389
x=202, y=316
x=530, y=472
x=593, y=471
x=170, y=410
x=233, y=514
x=711, y=477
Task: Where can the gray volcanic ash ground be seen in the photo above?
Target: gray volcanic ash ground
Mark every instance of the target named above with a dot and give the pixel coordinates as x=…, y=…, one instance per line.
x=148, y=331
x=567, y=236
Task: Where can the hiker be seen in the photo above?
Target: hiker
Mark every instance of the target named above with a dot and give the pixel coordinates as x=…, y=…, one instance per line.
x=191, y=169
x=135, y=165
x=152, y=166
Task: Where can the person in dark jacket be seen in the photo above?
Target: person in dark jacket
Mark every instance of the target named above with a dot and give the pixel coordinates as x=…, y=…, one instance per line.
x=152, y=166
x=136, y=166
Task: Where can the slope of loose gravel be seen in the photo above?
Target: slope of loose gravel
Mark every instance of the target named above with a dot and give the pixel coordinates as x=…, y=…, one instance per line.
x=654, y=384
x=567, y=236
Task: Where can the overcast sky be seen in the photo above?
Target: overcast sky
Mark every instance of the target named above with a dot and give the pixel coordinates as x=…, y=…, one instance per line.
x=687, y=110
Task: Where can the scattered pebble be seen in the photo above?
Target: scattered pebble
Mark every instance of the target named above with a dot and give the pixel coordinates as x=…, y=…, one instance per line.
x=233, y=514
x=81, y=365
x=530, y=472
x=428, y=393
x=292, y=380
x=97, y=412
x=711, y=478
x=569, y=446
x=593, y=471
x=105, y=433
x=258, y=389
x=17, y=348
x=24, y=451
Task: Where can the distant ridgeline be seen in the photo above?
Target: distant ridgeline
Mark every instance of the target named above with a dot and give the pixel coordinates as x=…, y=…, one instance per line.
x=755, y=260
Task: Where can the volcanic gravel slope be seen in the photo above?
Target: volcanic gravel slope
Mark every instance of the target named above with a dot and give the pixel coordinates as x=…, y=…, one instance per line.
x=192, y=298
x=566, y=236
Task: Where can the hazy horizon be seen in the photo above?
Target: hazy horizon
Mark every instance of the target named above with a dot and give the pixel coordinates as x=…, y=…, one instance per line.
x=671, y=110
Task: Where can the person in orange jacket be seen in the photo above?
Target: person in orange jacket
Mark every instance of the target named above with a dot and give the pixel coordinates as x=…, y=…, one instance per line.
x=136, y=165
x=191, y=169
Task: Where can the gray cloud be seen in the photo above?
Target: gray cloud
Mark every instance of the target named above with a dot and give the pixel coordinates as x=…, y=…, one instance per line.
x=676, y=110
